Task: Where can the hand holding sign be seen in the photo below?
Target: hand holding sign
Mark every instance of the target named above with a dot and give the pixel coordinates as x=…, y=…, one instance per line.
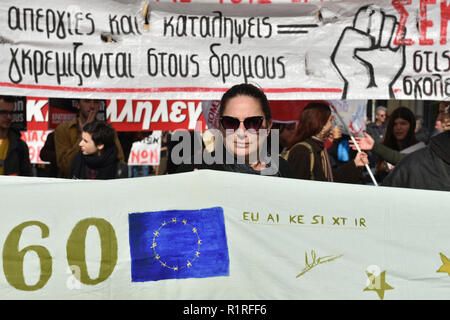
x=365, y=55
x=361, y=159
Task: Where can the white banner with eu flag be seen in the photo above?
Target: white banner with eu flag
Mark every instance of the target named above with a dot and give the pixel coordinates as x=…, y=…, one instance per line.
x=221, y=235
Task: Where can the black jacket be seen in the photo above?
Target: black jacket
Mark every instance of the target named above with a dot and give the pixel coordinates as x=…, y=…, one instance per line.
x=103, y=167
x=427, y=168
x=300, y=162
x=17, y=160
x=282, y=169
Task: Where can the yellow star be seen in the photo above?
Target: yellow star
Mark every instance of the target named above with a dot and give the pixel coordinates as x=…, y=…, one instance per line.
x=445, y=266
x=174, y=220
x=156, y=233
x=194, y=230
x=197, y=254
x=378, y=284
x=189, y=264
x=153, y=244
x=184, y=221
x=199, y=241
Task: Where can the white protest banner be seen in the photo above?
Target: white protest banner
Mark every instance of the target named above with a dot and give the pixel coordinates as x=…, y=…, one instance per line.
x=232, y=236
x=292, y=49
x=35, y=140
x=353, y=112
x=147, y=151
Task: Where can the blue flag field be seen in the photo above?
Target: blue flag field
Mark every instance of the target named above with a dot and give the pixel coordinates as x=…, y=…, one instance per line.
x=178, y=244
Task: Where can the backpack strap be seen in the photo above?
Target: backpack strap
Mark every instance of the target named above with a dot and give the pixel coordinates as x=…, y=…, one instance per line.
x=285, y=155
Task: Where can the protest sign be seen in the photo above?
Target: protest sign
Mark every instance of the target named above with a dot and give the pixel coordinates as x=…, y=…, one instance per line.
x=36, y=129
x=292, y=49
x=353, y=113
x=147, y=151
x=224, y=239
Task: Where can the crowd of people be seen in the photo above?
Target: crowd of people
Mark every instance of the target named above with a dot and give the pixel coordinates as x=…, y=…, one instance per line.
x=397, y=148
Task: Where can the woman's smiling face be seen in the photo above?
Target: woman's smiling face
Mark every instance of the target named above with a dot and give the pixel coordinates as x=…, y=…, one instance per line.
x=243, y=142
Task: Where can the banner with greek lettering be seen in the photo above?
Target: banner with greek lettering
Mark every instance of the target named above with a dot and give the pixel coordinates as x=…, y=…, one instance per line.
x=221, y=235
x=136, y=49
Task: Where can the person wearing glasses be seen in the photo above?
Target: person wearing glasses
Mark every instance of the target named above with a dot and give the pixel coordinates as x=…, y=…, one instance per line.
x=14, y=155
x=307, y=154
x=377, y=129
x=244, y=124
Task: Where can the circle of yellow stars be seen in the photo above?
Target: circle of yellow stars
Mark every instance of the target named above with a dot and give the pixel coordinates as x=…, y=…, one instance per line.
x=155, y=245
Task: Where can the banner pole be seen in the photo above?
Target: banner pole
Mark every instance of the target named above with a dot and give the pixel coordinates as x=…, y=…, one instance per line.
x=356, y=144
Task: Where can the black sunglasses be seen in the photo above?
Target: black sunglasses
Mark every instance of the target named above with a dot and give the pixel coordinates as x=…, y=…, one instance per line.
x=250, y=123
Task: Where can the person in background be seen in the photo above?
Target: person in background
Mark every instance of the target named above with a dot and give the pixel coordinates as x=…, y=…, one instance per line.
x=377, y=129
x=68, y=135
x=164, y=154
x=286, y=132
x=307, y=154
x=139, y=170
x=427, y=168
x=97, y=158
x=340, y=151
x=14, y=154
x=400, y=139
x=439, y=125
x=48, y=154
x=443, y=106
x=421, y=131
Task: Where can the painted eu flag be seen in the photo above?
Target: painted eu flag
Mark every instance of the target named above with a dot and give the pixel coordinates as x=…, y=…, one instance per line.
x=178, y=244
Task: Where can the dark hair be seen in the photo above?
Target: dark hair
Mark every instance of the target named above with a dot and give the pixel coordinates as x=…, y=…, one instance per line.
x=249, y=90
x=312, y=119
x=101, y=132
x=410, y=139
x=9, y=99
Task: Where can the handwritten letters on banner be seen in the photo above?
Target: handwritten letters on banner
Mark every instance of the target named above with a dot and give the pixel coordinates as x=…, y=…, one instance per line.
x=197, y=49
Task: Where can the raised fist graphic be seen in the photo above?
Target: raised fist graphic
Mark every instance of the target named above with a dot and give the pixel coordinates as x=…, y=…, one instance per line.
x=365, y=55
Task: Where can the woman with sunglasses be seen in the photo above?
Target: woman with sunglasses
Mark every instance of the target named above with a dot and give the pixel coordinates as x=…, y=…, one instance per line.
x=244, y=124
x=307, y=155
